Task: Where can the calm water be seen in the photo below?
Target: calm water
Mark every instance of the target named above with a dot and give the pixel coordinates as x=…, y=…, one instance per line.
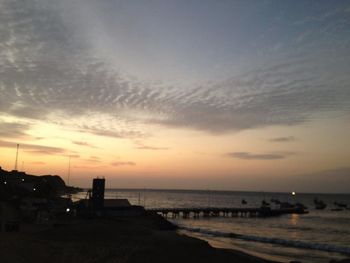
x=318, y=236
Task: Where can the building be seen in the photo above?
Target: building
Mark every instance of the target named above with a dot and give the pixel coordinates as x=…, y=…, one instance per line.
x=98, y=193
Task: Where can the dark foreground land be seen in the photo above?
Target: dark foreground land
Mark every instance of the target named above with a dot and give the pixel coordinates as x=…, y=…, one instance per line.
x=148, y=238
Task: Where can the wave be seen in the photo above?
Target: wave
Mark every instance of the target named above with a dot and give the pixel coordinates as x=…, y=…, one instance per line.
x=301, y=228
x=277, y=241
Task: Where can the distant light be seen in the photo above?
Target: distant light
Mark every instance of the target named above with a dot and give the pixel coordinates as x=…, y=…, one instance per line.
x=34, y=189
x=293, y=193
x=5, y=182
x=67, y=210
x=22, y=180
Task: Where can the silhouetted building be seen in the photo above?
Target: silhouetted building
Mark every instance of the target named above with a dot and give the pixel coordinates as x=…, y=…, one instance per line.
x=9, y=217
x=98, y=193
x=96, y=205
x=116, y=203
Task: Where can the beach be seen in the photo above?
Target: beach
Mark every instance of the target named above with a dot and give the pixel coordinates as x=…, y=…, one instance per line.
x=148, y=238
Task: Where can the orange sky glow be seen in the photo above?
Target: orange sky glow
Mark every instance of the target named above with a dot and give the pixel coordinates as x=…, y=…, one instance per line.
x=222, y=95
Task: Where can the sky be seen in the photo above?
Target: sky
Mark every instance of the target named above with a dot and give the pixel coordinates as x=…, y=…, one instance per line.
x=220, y=95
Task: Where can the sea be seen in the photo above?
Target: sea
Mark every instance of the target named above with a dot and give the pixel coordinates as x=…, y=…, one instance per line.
x=319, y=236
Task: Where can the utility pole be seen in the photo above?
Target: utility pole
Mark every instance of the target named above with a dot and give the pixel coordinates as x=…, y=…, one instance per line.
x=16, y=158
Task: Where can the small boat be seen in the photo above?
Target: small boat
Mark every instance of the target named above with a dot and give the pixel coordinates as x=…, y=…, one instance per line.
x=264, y=203
x=286, y=205
x=301, y=206
x=337, y=209
x=319, y=204
x=342, y=205
x=276, y=201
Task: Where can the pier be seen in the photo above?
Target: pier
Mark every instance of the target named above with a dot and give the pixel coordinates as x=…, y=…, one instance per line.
x=226, y=212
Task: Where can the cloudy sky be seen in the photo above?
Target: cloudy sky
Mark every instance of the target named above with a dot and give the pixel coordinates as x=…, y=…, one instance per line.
x=232, y=95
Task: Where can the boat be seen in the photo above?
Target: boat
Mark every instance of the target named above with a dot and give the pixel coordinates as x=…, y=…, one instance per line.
x=337, y=209
x=319, y=204
x=341, y=205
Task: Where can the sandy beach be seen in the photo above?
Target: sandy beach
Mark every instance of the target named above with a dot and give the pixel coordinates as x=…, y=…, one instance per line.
x=148, y=238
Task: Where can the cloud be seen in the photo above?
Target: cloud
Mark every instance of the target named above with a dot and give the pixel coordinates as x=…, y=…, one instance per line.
x=47, y=66
x=255, y=156
x=13, y=129
x=89, y=167
x=81, y=143
x=153, y=148
x=123, y=164
x=33, y=148
x=71, y=155
x=121, y=134
x=277, y=95
x=142, y=146
x=283, y=139
x=93, y=159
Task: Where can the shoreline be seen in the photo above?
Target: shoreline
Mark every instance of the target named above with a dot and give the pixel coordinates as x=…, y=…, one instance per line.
x=265, y=256
x=221, y=245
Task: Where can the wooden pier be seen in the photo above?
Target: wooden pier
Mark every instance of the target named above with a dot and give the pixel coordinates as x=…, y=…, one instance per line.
x=226, y=212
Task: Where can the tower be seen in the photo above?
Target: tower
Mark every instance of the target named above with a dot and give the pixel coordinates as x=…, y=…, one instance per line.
x=98, y=193
x=16, y=158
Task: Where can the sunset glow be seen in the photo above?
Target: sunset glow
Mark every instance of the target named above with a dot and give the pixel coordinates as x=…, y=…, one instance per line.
x=178, y=96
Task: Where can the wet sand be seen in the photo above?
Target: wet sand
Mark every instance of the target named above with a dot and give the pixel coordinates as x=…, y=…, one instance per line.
x=146, y=238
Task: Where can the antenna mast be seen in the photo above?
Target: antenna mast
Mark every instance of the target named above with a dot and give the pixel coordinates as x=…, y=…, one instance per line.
x=16, y=157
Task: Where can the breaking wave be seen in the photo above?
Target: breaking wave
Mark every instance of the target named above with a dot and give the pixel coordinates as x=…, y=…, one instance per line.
x=277, y=241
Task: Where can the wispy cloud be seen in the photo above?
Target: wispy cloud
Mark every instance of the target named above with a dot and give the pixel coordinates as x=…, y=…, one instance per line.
x=258, y=156
x=121, y=134
x=123, y=163
x=72, y=155
x=46, y=66
x=283, y=139
x=13, y=129
x=142, y=146
x=89, y=167
x=35, y=149
x=93, y=159
x=82, y=143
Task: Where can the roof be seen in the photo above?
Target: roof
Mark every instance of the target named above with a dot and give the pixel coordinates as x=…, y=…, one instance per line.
x=109, y=203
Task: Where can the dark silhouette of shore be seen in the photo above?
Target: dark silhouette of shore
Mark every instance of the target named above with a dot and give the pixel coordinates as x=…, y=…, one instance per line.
x=147, y=238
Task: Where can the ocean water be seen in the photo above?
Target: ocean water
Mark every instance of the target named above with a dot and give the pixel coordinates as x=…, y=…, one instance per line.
x=319, y=236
